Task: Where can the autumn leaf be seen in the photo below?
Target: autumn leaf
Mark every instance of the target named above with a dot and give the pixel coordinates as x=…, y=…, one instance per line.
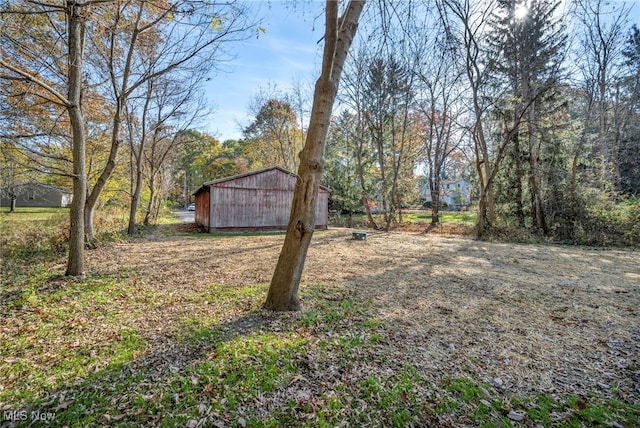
x=216, y=23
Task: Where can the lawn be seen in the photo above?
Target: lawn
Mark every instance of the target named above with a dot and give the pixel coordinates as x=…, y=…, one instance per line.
x=401, y=329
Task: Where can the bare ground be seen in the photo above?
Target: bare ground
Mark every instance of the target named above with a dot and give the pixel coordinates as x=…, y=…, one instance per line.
x=528, y=318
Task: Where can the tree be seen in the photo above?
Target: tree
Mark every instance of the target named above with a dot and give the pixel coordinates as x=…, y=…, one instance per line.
x=343, y=166
x=465, y=25
x=169, y=107
x=274, y=135
x=12, y=173
x=630, y=145
x=74, y=13
x=600, y=59
x=438, y=103
x=525, y=62
x=339, y=34
x=355, y=127
x=182, y=36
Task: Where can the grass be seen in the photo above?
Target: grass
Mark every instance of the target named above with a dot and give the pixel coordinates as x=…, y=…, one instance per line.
x=322, y=367
x=450, y=221
x=77, y=352
x=467, y=218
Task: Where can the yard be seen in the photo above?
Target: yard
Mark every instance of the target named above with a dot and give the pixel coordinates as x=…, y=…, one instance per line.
x=400, y=329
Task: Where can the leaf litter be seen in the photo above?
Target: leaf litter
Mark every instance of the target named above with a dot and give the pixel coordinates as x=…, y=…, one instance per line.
x=522, y=319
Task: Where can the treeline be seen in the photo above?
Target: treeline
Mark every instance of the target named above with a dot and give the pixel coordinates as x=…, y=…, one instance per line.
x=537, y=106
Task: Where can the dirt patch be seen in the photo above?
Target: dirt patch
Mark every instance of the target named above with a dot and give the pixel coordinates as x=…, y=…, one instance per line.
x=554, y=319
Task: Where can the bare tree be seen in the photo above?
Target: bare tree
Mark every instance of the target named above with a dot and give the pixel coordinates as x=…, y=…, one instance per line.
x=600, y=58
x=466, y=27
x=185, y=35
x=339, y=34
x=440, y=109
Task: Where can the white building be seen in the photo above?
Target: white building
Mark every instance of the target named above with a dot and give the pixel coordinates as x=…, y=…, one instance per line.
x=452, y=192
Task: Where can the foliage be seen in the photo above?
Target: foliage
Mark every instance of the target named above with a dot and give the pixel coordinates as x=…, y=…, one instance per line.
x=200, y=157
x=40, y=234
x=274, y=137
x=611, y=224
x=341, y=168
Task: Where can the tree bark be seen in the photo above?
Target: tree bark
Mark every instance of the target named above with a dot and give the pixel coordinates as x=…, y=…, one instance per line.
x=339, y=34
x=75, y=25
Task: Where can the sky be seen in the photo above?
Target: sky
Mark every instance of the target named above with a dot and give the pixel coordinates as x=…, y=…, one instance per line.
x=288, y=50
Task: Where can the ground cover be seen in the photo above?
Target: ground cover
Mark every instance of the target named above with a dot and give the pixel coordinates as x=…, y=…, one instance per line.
x=400, y=329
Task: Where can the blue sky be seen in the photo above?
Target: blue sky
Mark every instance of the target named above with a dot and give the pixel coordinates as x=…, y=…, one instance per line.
x=288, y=50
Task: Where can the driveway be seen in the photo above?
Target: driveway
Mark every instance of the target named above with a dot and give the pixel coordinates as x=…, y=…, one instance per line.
x=185, y=216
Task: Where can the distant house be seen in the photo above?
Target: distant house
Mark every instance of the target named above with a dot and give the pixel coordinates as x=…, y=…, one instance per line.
x=452, y=192
x=254, y=201
x=35, y=195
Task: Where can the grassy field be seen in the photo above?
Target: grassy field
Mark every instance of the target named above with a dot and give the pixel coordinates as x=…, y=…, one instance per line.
x=27, y=232
x=457, y=222
x=168, y=330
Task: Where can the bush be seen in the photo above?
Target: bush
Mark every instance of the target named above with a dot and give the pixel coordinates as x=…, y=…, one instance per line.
x=612, y=224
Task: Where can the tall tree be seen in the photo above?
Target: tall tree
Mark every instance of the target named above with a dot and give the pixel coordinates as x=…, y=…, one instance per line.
x=466, y=24
x=630, y=144
x=67, y=94
x=274, y=135
x=600, y=59
x=338, y=36
x=182, y=35
x=527, y=45
x=439, y=106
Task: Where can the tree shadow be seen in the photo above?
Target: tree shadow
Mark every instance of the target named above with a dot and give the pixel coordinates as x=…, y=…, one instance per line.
x=148, y=373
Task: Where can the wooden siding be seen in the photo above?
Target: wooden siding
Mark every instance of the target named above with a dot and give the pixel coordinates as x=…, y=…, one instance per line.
x=201, y=213
x=255, y=201
x=273, y=179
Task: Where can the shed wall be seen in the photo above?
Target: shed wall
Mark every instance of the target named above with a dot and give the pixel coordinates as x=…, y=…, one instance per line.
x=254, y=201
x=201, y=214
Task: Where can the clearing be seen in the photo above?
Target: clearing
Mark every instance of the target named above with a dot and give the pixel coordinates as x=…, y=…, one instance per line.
x=401, y=328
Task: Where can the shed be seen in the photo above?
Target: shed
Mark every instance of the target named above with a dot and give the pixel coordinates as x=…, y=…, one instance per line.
x=35, y=195
x=254, y=201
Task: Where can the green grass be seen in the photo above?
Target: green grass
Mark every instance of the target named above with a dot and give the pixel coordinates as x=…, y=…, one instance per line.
x=466, y=218
x=81, y=351
x=322, y=367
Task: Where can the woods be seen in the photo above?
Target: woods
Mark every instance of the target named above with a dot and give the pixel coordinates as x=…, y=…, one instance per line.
x=535, y=104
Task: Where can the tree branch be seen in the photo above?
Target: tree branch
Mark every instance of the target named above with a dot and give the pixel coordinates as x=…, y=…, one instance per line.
x=33, y=79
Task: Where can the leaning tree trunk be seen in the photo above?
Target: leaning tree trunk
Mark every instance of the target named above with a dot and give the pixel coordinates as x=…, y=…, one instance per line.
x=339, y=34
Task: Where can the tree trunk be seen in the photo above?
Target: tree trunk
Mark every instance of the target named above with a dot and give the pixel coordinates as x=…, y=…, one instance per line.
x=135, y=199
x=534, y=179
x=75, y=263
x=435, y=201
x=339, y=33
x=92, y=199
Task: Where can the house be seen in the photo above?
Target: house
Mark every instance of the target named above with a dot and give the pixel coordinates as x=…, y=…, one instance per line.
x=35, y=195
x=452, y=192
x=254, y=201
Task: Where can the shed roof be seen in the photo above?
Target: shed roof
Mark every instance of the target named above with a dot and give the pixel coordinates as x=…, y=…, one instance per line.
x=207, y=185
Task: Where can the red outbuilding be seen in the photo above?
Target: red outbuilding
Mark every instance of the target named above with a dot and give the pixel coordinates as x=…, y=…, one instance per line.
x=254, y=201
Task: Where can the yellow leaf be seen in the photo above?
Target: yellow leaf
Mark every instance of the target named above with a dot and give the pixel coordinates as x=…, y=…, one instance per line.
x=216, y=24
